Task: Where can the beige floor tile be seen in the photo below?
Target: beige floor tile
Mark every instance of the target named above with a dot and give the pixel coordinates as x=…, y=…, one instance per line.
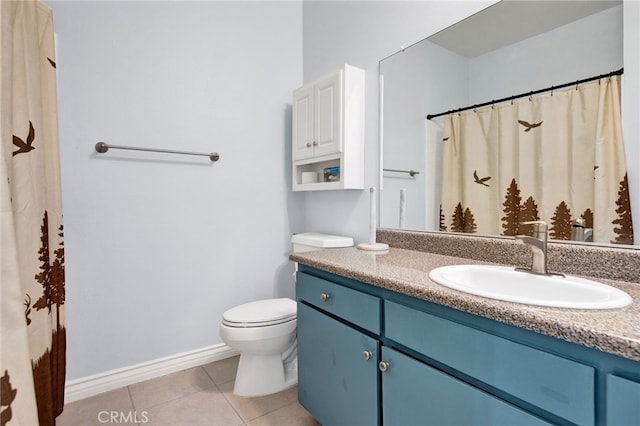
x=97, y=409
x=291, y=394
x=224, y=370
x=292, y=414
x=206, y=408
x=251, y=408
x=169, y=387
x=188, y=398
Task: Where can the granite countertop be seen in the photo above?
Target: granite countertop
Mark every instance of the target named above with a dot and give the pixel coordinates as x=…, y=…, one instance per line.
x=616, y=331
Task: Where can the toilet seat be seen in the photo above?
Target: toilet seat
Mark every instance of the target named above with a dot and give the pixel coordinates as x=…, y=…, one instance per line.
x=262, y=313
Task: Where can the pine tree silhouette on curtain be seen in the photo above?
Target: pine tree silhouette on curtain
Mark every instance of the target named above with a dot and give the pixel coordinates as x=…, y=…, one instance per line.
x=528, y=213
x=7, y=395
x=587, y=216
x=50, y=364
x=561, y=223
x=511, y=219
x=625, y=229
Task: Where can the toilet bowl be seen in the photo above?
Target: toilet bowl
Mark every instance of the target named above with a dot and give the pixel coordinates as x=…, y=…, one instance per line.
x=264, y=332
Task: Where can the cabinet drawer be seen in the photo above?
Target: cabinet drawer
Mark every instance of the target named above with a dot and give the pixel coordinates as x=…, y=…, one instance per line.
x=557, y=385
x=623, y=401
x=353, y=306
x=414, y=393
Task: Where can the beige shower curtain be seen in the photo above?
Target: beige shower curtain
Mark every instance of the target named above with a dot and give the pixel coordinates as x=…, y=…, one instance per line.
x=32, y=361
x=557, y=158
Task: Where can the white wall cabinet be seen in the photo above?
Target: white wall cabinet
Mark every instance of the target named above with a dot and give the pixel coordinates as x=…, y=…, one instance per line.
x=328, y=132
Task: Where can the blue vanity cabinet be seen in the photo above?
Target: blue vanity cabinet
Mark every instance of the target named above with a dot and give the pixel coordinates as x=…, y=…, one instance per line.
x=337, y=359
x=371, y=356
x=414, y=393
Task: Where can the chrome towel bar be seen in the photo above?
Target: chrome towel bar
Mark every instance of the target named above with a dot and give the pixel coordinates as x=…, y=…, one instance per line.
x=103, y=147
x=409, y=172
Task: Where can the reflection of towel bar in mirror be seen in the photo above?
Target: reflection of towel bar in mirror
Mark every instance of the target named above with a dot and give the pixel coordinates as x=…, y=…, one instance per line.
x=103, y=147
x=409, y=172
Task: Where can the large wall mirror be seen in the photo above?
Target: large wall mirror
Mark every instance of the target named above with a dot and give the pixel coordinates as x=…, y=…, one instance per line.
x=509, y=48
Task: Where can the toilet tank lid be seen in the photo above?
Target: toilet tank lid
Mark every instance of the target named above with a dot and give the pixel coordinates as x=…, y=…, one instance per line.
x=315, y=239
x=261, y=311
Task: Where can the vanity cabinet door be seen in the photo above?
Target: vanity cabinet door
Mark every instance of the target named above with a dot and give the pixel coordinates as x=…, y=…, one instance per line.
x=623, y=401
x=337, y=370
x=552, y=383
x=413, y=393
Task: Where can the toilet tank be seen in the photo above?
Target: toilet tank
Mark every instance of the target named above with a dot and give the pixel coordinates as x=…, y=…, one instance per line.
x=309, y=241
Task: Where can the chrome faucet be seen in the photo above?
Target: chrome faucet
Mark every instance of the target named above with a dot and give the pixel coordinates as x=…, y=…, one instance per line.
x=538, y=245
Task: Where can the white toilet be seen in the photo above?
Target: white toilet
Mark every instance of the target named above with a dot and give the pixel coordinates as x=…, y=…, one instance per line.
x=264, y=332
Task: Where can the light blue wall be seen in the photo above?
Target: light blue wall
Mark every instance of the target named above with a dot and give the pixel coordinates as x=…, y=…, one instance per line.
x=158, y=246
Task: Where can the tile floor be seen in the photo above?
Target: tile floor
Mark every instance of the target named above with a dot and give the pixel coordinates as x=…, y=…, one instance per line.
x=195, y=397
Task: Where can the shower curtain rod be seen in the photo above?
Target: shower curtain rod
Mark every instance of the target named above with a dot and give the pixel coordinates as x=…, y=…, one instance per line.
x=103, y=147
x=522, y=95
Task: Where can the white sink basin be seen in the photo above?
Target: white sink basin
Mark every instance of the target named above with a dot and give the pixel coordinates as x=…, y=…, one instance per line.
x=504, y=283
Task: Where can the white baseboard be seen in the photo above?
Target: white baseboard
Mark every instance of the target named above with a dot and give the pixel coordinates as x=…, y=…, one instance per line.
x=92, y=385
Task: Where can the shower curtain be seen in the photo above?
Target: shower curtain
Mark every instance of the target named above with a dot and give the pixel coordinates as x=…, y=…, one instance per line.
x=32, y=360
x=557, y=158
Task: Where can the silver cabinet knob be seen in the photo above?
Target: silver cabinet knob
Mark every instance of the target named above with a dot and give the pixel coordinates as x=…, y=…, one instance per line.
x=366, y=355
x=383, y=366
x=308, y=144
x=324, y=297
x=315, y=143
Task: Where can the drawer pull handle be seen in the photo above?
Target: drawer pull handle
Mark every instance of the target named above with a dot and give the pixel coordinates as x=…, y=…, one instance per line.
x=383, y=366
x=324, y=297
x=366, y=355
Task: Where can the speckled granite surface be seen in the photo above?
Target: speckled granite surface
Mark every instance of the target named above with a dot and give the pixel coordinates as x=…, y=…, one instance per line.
x=616, y=331
x=614, y=263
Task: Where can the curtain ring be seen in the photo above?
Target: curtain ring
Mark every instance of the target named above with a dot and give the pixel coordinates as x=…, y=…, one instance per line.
x=493, y=103
x=530, y=96
x=551, y=90
x=577, y=84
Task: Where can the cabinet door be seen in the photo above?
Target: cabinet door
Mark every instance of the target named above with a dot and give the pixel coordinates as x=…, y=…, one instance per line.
x=328, y=114
x=413, y=393
x=303, y=123
x=337, y=384
x=623, y=401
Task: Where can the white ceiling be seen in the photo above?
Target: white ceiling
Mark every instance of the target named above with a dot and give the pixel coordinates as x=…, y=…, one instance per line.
x=510, y=21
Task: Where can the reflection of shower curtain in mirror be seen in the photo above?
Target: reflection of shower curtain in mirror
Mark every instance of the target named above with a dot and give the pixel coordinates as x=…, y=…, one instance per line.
x=557, y=158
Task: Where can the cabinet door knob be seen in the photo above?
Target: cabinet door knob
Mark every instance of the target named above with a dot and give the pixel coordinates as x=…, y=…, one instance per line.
x=383, y=366
x=315, y=143
x=324, y=297
x=308, y=144
x=366, y=355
